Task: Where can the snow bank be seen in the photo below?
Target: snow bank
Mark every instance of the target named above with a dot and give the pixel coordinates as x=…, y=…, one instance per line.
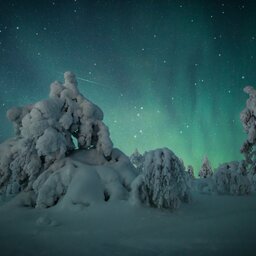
x=83, y=184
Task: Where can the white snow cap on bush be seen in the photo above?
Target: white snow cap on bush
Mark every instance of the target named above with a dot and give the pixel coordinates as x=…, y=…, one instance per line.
x=206, y=169
x=231, y=178
x=163, y=182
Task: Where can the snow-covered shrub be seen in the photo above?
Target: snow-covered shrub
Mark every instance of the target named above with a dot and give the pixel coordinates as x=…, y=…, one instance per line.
x=206, y=169
x=137, y=160
x=230, y=178
x=163, y=182
x=44, y=133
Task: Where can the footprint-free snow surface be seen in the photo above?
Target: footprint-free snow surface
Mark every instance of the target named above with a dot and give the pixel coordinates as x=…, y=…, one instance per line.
x=210, y=225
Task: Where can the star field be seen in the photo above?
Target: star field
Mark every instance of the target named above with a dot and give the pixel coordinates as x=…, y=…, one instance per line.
x=165, y=73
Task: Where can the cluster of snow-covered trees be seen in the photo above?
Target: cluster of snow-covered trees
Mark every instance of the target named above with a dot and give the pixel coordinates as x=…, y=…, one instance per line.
x=237, y=177
x=62, y=154
x=229, y=178
x=43, y=163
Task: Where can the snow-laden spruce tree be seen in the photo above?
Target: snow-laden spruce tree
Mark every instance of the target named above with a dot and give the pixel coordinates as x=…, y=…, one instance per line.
x=231, y=178
x=248, y=119
x=44, y=143
x=190, y=171
x=137, y=160
x=163, y=182
x=206, y=169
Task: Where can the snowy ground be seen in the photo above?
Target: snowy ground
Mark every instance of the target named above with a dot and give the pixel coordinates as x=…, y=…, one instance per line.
x=210, y=225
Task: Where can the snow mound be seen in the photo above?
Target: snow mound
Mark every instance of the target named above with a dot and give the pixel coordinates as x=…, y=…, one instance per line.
x=163, y=182
x=46, y=221
x=78, y=183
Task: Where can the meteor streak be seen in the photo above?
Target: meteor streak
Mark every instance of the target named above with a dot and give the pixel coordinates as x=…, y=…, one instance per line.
x=86, y=80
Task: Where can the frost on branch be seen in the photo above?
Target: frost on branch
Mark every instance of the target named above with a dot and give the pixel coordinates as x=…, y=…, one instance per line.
x=206, y=169
x=163, y=182
x=44, y=133
x=231, y=178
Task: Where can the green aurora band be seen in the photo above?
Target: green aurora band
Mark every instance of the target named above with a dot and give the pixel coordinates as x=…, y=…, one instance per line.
x=169, y=74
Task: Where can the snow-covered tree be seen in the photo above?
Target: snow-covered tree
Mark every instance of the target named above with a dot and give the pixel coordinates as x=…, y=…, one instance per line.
x=44, y=133
x=190, y=171
x=137, y=160
x=163, y=182
x=230, y=178
x=206, y=169
x=248, y=119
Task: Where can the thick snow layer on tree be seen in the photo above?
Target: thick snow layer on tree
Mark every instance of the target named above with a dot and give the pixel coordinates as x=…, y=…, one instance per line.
x=163, y=182
x=206, y=169
x=42, y=158
x=248, y=117
x=229, y=178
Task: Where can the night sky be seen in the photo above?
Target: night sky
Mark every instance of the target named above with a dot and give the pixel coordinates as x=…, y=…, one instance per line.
x=165, y=73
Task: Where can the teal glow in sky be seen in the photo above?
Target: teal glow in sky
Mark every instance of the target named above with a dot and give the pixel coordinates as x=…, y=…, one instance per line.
x=167, y=73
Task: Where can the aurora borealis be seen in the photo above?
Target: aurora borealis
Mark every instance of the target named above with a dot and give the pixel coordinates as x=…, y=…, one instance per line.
x=166, y=73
